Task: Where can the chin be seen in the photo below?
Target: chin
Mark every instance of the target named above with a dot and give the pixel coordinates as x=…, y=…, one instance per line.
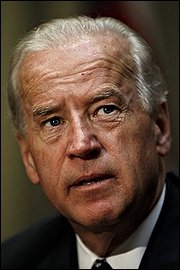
x=98, y=219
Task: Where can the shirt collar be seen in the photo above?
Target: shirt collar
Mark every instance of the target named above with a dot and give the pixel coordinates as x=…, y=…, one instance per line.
x=129, y=254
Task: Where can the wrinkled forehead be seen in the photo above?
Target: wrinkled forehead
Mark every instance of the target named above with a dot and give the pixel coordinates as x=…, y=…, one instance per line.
x=90, y=53
x=88, y=47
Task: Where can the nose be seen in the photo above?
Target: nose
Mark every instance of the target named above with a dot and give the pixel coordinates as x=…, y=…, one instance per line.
x=82, y=143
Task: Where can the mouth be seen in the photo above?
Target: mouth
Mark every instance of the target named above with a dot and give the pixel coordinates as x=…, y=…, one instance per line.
x=92, y=180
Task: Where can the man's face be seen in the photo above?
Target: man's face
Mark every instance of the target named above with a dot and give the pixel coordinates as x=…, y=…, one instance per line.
x=88, y=141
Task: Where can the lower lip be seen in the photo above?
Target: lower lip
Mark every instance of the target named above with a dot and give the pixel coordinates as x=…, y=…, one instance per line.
x=104, y=183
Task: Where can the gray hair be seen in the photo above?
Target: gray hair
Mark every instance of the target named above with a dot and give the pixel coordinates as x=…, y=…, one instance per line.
x=151, y=87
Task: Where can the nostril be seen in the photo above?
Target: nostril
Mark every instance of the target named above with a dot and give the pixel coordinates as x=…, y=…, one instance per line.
x=91, y=154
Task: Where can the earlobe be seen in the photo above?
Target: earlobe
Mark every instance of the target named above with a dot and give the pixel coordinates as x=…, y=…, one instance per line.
x=162, y=131
x=28, y=159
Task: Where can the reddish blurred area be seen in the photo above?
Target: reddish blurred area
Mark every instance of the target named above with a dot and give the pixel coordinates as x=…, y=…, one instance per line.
x=138, y=15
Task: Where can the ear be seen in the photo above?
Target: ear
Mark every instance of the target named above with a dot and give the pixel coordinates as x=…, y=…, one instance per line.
x=28, y=159
x=162, y=130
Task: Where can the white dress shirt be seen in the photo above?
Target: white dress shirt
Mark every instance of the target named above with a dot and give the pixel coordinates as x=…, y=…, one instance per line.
x=128, y=254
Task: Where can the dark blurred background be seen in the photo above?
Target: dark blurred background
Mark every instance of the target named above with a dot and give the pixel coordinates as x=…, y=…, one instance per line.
x=158, y=23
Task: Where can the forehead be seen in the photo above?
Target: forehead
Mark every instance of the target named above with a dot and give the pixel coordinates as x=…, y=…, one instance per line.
x=85, y=49
x=101, y=55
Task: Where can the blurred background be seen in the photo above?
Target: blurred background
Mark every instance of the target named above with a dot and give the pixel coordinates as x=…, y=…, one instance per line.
x=158, y=23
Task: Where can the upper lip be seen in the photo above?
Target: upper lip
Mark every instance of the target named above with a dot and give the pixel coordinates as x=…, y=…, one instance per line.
x=92, y=177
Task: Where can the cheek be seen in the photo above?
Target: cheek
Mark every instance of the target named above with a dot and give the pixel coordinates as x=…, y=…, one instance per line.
x=133, y=148
x=137, y=162
x=49, y=162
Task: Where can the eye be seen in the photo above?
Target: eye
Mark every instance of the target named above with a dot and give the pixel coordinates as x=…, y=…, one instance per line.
x=53, y=122
x=107, y=109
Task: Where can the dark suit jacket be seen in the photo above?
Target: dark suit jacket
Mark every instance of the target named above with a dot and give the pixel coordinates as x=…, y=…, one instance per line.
x=52, y=243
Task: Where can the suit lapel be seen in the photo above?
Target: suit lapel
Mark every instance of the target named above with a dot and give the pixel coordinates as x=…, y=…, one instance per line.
x=162, y=249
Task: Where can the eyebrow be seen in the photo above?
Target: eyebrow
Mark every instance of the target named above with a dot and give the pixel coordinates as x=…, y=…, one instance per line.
x=45, y=110
x=110, y=92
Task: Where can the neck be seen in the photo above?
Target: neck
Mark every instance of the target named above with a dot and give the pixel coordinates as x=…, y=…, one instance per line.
x=98, y=241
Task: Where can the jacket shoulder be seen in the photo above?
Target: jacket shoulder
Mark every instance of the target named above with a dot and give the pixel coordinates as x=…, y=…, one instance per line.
x=35, y=243
x=173, y=178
